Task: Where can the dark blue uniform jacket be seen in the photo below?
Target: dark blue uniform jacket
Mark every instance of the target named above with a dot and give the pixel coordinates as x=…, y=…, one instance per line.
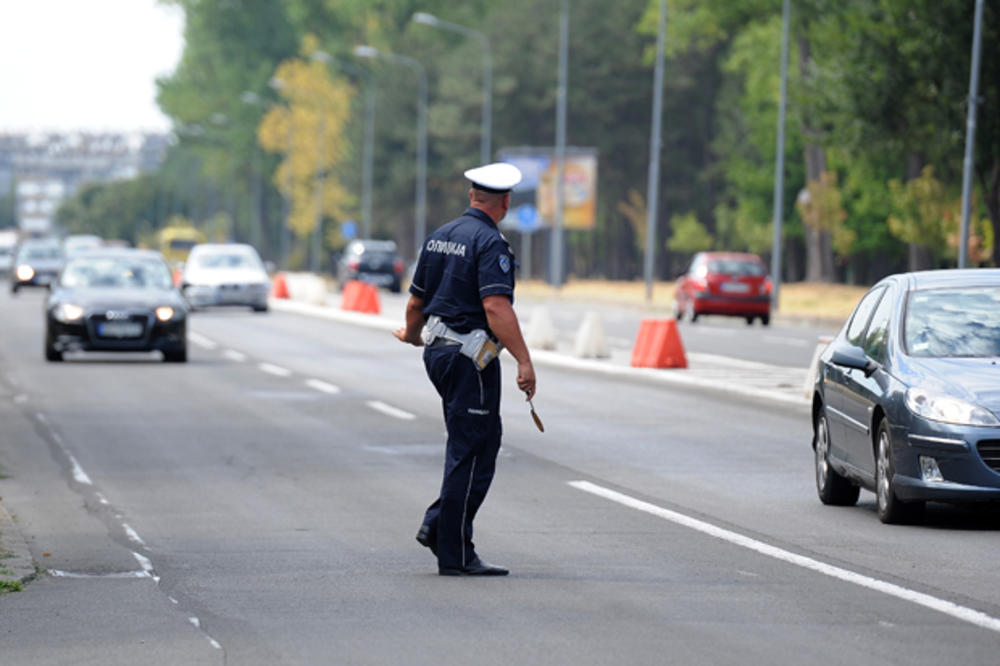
x=460, y=264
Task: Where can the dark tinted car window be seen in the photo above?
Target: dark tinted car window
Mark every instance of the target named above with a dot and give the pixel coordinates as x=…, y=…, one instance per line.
x=861, y=315
x=877, y=337
x=116, y=273
x=39, y=252
x=953, y=322
x=736, y=267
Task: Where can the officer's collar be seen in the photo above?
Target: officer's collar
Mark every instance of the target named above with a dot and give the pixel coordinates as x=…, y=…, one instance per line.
x=475, y=212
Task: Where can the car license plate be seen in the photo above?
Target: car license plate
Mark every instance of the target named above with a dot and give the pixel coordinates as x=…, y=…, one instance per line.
x=735, y=287
x=119, y=329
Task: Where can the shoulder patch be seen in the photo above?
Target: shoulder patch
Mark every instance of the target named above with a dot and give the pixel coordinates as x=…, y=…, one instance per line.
x=504, y=263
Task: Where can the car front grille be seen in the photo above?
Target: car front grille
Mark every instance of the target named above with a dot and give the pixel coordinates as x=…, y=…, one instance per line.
x=118, y=325
x=989, y=451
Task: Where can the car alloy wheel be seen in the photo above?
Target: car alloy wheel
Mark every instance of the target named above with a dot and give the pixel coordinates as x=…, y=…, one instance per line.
x=890, y=509
x=831, y=487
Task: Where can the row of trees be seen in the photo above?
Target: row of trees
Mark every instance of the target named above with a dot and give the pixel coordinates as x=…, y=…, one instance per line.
x=875, y=132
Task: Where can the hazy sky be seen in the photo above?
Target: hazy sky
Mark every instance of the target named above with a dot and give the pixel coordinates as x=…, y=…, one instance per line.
x=85, y=64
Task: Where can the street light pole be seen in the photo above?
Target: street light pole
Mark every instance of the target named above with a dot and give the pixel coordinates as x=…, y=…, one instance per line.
x=368, y=149
x=556, y=251
x=970, y=135
x=779, y=167
x=364, y=51
x=653, y=187
x=424, y=18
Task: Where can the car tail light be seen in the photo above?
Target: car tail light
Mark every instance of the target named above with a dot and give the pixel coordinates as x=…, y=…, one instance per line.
x=397, y=266
x=700, y=284
x=353, y=263
x=766, y=287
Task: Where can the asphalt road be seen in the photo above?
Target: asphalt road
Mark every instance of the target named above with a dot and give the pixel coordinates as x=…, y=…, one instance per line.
x=258, y=504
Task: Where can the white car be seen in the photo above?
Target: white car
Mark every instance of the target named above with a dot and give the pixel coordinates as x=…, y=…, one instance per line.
x=225, y=274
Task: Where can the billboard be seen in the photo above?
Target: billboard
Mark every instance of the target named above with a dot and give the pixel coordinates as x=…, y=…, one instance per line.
x=534, y=199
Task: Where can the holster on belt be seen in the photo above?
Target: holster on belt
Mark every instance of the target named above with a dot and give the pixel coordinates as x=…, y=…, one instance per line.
x=476, y=344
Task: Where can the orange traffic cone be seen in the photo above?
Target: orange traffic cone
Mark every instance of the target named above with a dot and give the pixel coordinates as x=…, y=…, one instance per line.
x=360, y=296
x=279, y=288
x=658, y=345
x=177, y=277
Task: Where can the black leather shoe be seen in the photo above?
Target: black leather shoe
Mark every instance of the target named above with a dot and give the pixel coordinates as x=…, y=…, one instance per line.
x=474, y=568
x=426, y=539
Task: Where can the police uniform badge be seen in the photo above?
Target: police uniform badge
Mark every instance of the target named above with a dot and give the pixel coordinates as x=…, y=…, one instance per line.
x=504, y=263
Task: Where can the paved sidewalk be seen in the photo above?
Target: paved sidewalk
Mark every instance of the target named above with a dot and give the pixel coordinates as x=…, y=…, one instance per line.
x=16, y=565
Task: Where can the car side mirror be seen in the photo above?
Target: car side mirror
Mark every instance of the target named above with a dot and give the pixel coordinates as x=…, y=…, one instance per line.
x=849, y=356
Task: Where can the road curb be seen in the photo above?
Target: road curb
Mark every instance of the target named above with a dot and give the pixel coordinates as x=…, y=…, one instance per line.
x=16, y=563
x=687, y=378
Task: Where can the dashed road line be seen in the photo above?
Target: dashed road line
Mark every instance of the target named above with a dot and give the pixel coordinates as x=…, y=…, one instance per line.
x=322, y=387
x=389, y=410
x=276, y=370
x=952, y=609
x=202, y=341
x=234, y=355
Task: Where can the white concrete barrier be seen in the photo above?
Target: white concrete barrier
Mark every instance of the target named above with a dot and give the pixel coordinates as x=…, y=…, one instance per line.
x=306, y=287
x=541, y=333
x=590, y=339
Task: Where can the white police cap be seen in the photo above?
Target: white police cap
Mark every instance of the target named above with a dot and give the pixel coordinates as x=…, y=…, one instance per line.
x=499, y=177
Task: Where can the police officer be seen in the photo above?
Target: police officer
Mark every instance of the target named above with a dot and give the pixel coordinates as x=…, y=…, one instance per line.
x=463, y=291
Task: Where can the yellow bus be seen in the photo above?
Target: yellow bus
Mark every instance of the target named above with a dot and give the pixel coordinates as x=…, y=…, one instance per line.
x=175, y=242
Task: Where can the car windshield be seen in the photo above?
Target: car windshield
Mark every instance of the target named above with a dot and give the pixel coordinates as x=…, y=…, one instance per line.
x=39, y=253
x=226, y=260
x=735, y=267
x=962, y=322
x=117, y=273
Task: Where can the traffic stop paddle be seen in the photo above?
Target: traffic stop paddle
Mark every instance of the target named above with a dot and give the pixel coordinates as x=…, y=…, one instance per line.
x=534, y=415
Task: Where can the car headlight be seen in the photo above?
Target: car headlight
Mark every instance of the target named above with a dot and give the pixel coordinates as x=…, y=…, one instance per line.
x=948, y=409
x=25, y=272
x=164, y=313
x=67, y=312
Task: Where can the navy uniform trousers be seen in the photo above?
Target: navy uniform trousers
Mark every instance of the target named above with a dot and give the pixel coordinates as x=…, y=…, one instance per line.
x=471, y=401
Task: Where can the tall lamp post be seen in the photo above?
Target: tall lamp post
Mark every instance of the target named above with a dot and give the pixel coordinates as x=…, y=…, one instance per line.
x=365, y=51
x=368, y=150
x=779, y=166
x=653, y=187
x=970, y=135
x=486, y=134
x=556, y=253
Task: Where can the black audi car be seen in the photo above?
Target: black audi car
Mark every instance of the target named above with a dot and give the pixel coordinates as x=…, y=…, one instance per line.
x=116, y=299
x=907, y=398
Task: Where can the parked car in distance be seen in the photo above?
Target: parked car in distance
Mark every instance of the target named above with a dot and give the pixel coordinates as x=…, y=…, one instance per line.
x=76, y=243
x=116, y=300
x=8, y=244
x=36, y=263
x=225, y=274
x=373, y=261
x=724, y=283
x=907, y=398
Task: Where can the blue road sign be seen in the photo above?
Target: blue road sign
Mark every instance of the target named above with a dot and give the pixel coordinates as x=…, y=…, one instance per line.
x=348, y=229
x=528, y=219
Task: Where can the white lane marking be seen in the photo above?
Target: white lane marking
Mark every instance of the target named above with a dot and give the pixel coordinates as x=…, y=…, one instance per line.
x=132, y=535
x=202, y=341
x=962, y=613
x=58, y=573
x=274, y=369
x=234, y=355
x=102, y=499
x=788, y=342
x=195, y=621
x=389, y=410
x=146, y=565
x=322, y=386
x=20, y=399
x=78, y=474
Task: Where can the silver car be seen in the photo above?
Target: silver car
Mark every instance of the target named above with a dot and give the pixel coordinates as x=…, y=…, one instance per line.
x=225, y=274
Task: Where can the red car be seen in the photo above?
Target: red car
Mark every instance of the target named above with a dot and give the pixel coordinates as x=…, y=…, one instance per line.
x=724, y=283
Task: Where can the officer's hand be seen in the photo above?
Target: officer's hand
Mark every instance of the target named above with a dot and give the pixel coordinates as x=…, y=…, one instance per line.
x=413, y=339
x=526, y=378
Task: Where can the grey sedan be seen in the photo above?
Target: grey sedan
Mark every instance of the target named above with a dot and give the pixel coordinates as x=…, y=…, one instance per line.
x=907, y=396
